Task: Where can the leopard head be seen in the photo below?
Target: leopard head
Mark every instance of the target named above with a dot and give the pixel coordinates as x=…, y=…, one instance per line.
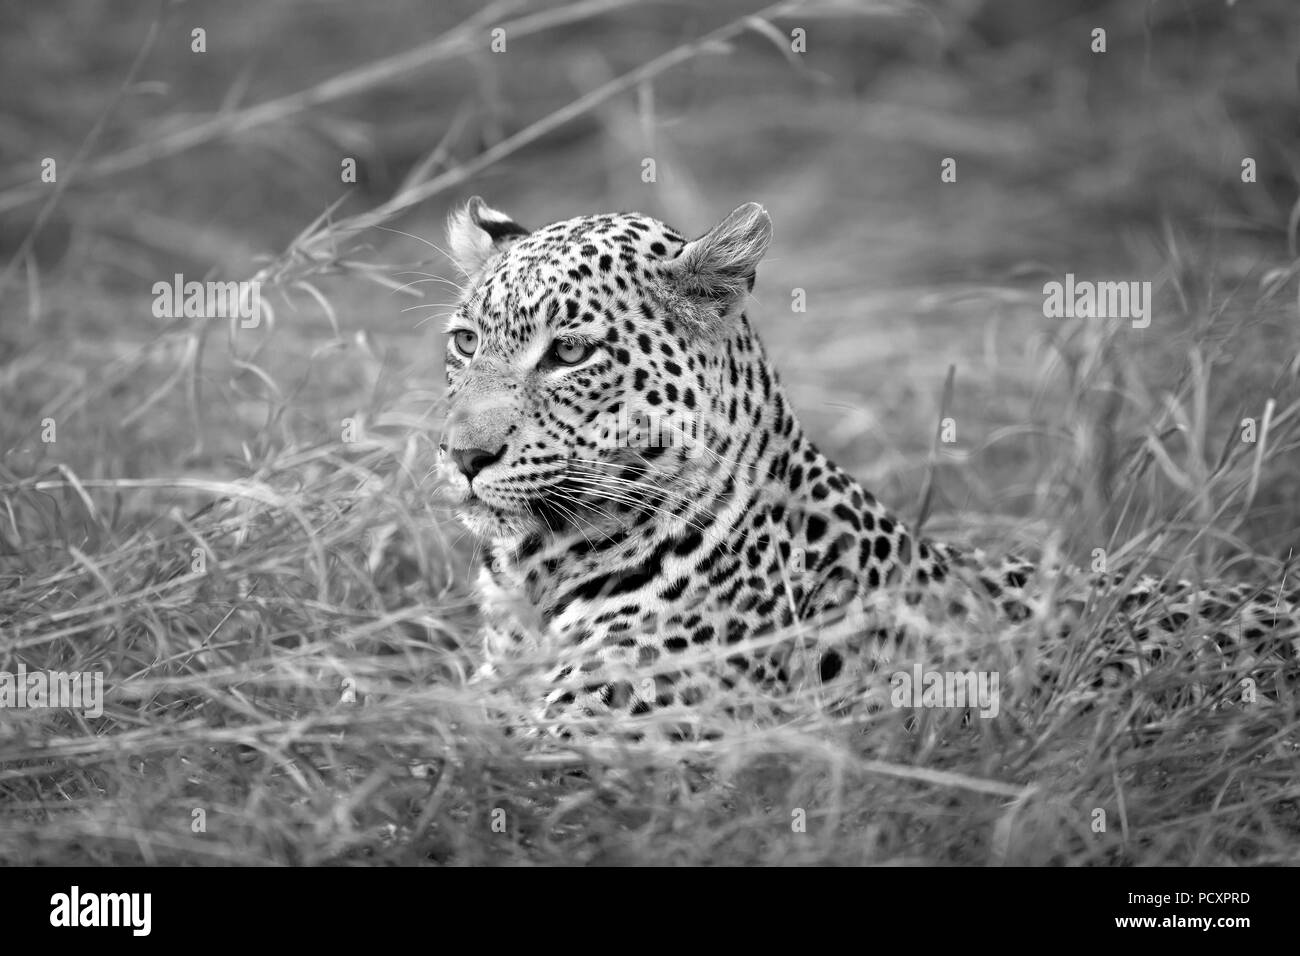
x=587, y=364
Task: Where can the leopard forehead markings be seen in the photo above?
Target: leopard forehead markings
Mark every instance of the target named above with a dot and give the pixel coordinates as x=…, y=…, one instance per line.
x=625, y=556
x=570, y=273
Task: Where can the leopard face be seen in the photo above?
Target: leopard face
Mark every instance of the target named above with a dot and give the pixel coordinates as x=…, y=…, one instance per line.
x=584, y=364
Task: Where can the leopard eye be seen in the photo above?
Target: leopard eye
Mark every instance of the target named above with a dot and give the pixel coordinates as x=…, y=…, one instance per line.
x=466, y=342
x=571, y=351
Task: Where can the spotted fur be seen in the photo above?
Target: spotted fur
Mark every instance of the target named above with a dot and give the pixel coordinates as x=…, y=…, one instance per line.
x=726, y=553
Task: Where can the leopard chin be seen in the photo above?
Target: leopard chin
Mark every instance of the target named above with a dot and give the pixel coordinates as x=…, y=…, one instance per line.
x=493, y=524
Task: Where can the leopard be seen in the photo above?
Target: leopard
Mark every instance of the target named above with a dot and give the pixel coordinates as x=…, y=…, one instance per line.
x=660, y=531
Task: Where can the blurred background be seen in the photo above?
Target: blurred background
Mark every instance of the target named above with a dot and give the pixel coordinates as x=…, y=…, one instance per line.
x=1121, y=165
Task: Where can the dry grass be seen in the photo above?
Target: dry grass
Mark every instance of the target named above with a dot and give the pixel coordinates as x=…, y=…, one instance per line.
x=305, y=688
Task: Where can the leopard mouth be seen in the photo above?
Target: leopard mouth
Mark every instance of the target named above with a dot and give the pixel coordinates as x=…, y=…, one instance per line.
x=545, y=510
x=548, y=513
x=577, y=496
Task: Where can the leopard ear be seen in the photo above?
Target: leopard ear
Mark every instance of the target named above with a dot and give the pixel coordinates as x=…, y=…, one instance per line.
x=720, y=265
x=476, y=232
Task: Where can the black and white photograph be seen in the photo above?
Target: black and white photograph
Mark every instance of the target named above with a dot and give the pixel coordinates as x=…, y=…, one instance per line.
x=651, y=433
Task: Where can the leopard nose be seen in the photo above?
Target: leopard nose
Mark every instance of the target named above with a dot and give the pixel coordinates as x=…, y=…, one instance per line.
x=473, y=460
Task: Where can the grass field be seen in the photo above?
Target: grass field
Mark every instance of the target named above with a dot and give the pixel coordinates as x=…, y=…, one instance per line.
x=240, y=529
